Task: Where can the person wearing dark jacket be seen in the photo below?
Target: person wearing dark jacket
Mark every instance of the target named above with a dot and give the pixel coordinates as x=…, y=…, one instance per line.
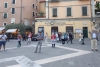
x=70, y=38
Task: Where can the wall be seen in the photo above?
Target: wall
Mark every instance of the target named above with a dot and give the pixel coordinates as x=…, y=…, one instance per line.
x=76, y=9
x=78, y=24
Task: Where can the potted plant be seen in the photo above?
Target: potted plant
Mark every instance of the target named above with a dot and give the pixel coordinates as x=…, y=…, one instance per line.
x=97, y=7
x=41, y=14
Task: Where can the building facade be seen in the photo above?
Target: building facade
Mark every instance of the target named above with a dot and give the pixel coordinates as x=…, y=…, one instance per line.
x=66, y=16
x=18, y=11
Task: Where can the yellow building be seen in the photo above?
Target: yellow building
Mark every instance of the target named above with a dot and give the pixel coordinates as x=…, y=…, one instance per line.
x=65, y=16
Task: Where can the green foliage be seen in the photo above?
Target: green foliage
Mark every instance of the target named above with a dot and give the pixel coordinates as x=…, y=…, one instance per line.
x=41, y=14
x=97, y=5
x=21, y=27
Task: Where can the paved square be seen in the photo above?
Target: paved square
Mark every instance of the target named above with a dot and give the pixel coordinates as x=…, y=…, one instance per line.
x=70, y=55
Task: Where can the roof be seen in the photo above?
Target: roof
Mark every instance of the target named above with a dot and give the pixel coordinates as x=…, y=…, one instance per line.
x=11, y=30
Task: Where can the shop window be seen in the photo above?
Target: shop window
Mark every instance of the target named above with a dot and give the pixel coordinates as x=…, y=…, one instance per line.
x=41, y=29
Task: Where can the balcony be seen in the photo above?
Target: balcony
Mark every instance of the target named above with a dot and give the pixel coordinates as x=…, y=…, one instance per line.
x=54, y=0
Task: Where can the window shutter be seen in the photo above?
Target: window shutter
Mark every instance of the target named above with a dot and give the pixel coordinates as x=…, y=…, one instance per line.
x=68, y=11
x=84, y=11
x=54, y=12
x=13, y=10
x=5, y=5
x=33, y=5
x=5, y=15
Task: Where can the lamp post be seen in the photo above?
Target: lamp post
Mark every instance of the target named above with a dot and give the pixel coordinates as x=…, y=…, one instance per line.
x=21, y=13
x=33, y=26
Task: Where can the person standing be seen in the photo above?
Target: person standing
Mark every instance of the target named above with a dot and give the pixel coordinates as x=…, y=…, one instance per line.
x=70, y=38
x=53, y=39
x=46, y=38
x=29, y=38
x=40, y=37
x=3, y=38
x=19, y=39
x=63, y=39
x=94, y=41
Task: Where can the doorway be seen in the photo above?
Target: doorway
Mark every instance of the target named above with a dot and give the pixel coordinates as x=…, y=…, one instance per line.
x=85, y=32
x=54, y=30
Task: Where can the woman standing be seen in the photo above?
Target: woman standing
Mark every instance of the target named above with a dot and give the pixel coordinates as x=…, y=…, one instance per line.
x=53, y=38
x=19, y=39
x=46, y=38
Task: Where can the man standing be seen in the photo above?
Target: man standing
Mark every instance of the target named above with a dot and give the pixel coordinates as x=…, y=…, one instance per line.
x=3, y=38
x=94, y=41
x=70, y=38
x=40, y=37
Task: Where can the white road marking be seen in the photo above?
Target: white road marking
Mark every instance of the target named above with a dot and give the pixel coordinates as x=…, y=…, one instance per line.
x=14, y=66
x=22, y=60
x=24, y=46
x=51, y=59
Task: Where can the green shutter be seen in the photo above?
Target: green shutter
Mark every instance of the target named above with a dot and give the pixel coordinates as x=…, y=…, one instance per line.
x=5, y=5
x=5, y=15
x=55, y=12
x=68, y=11
x=84, y=11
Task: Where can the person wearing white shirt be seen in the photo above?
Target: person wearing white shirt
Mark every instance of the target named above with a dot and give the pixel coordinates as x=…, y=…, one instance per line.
x=46, y=38
x=94, y=41
x=3, y=38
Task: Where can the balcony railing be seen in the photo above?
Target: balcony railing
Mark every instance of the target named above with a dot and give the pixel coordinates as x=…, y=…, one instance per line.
x=54, y=0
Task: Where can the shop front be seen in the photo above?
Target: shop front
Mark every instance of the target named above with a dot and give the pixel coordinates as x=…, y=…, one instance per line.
x=75, y=27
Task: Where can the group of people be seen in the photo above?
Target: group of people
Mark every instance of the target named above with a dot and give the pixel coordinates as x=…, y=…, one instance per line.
x=54, y=37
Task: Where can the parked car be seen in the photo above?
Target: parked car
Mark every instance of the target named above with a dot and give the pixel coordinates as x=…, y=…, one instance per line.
x=34, y=38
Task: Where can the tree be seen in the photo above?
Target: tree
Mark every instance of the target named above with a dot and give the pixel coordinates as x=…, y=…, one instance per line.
x=21, y=27
x=97, y=5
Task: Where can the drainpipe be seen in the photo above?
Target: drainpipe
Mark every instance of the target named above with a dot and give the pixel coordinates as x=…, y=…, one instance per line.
x=93, y=11
x=47, y=9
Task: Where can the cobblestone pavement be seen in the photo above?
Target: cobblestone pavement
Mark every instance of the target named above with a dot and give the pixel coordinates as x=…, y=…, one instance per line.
x=67, y=55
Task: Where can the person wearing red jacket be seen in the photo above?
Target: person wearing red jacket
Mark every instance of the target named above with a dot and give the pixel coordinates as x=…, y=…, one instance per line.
x=53, y=38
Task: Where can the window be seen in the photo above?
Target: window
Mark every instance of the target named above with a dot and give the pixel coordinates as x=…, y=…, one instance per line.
x=37, y=0
x=54, y=12
x=33, y=5
x=36, y=7
x=13, y=1
x=33, y=14
x=4, y=24
x=84, y=11
x=69, y=11
x=5, y=15
x=5, y=5
x=36, y=14
x=45, y=4
x=13, y=11
x=12, y=23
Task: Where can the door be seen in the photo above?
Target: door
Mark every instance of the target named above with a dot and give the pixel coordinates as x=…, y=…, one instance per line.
x=41, y=29
x=54, y=30
x=85, y=32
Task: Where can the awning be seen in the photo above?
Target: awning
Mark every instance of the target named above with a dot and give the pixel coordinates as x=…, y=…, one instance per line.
x=11, y=30
x=2, y=28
